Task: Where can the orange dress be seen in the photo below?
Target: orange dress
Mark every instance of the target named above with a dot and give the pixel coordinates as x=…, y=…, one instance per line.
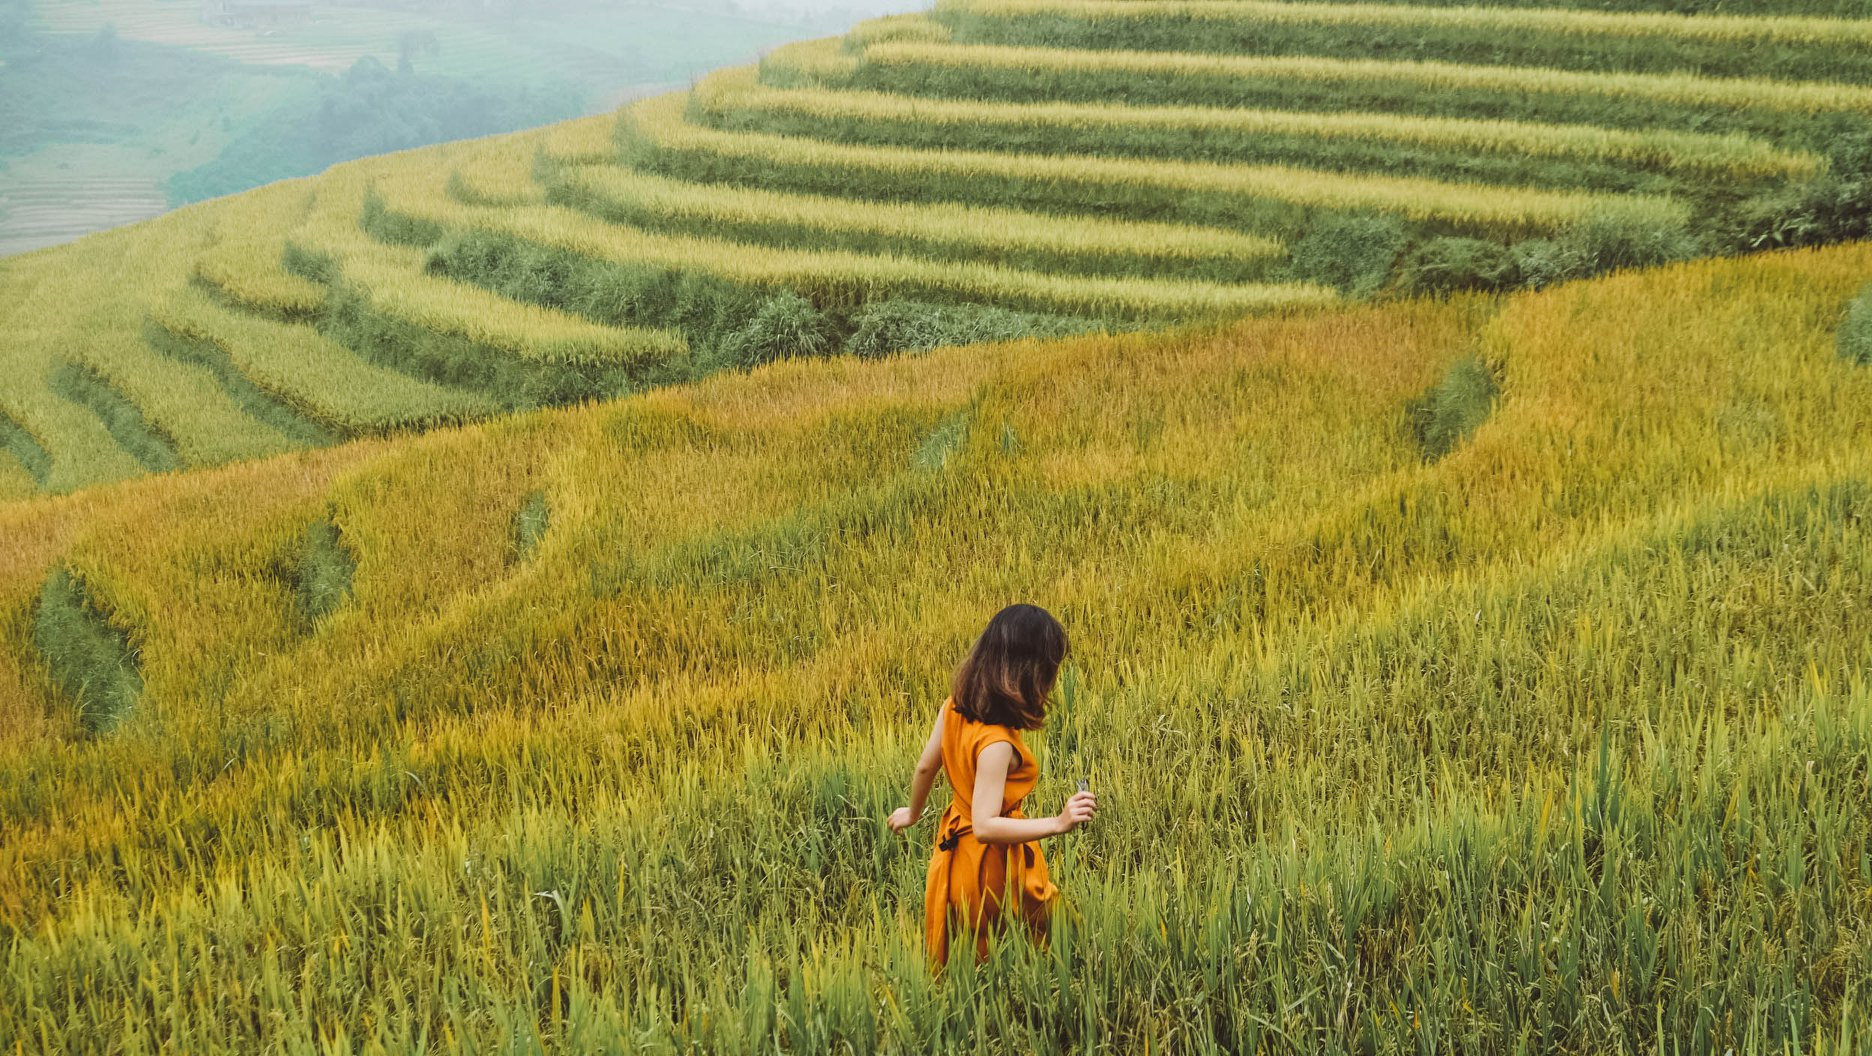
x=970, y=882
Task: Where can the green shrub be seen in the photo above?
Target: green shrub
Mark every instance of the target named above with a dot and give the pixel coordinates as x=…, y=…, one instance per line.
x=91, y=661
x=322, y=577
x=1607, y=242
x=1543, y=262
x=399, y=229
x=942, y=442
x=521, y=272
x=1596, y=245
x=531, y=523
x=1353, y=253
x=787, y=326
x=1855, y=332
x=310, y=264
x=886, y=327
x=1836, y=207
x=1445, y=265
x=15, y=440
x=1454, y=407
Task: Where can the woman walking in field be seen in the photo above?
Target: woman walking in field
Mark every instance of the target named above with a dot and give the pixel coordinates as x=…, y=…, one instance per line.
x=987, y=868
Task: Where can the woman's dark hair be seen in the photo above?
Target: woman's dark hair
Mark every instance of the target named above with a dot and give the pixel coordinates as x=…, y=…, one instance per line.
x=1007, y=676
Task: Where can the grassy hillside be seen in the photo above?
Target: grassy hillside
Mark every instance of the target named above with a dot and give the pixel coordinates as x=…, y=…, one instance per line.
x=1476, y=674
x=994, y=169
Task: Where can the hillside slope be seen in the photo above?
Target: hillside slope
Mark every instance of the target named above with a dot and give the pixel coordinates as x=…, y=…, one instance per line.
x=994, y=169
x=576, y=730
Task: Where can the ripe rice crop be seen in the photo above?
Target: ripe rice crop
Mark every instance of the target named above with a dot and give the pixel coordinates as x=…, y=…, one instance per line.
x=827, y=61
x=850, y=279
x=498, y=174
x=86, y=387
x=392, y=282
x=78, y=451
x=98, y=402
x=1276, y=126
x=733, y=99
x=1717, y=93
x=583, y=141
x=16, y=481
x=300, y=366
x=1267, y=198
x=249, y=274
x=1557, y=21
x=913, y=27
x=1723, y=45
x=1026, y=74
x=178, y=403
x=1011, y=237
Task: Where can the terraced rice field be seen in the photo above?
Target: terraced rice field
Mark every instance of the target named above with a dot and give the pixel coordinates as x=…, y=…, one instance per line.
x=990, y=169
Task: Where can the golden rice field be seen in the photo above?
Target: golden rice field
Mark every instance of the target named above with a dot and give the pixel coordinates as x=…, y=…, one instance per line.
x=814, y=59
x=574, y=731
x=837, y=277
x=735, y=92
x=983, y=171
x=1558, y=20
x=658, y=135
x=935, y=230
x=488, y=599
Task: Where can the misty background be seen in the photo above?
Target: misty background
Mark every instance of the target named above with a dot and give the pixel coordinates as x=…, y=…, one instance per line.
x=113, y=111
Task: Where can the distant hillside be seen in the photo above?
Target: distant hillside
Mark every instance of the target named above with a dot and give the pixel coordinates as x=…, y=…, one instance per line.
x=112, y=111
x=996, y=168
x=1480, y=675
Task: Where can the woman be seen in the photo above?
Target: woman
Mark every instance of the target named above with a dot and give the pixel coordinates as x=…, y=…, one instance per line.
x=987, y=868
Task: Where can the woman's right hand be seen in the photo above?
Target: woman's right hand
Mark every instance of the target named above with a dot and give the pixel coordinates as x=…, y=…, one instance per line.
x=1079, y=809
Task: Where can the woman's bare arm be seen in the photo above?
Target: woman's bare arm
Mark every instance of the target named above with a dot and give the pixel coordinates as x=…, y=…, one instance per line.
x=928, y=767
x=991, y=770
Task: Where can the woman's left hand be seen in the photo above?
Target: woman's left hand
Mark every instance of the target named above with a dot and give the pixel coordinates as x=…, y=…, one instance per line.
x=901, y=819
